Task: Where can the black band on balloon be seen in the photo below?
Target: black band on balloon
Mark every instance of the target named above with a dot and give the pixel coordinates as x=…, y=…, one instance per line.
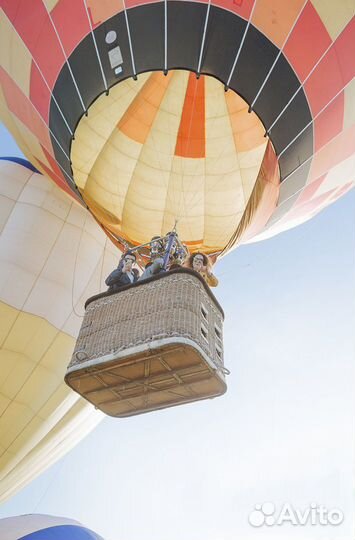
x=186, y=25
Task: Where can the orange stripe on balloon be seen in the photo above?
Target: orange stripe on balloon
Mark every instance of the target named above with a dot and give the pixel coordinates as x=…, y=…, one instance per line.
x=138, y=119
x=191, y=139
x=194, y=242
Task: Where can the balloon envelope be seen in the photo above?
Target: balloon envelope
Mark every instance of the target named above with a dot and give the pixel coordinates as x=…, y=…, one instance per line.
x=44, y=527
x=172, y=148
x=52, y=257
x=156, y=149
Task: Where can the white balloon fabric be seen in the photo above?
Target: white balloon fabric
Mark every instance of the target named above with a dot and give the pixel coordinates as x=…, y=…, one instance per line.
x=44, y=527
x=53, y=256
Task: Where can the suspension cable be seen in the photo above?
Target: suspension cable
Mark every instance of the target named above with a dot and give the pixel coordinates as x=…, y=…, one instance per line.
x=299, y=88
x=129, y=40
x=95, y=45
x=240, y=46
x=278, y=55
x=43, y=77
x=66, y=58
x=203, y=38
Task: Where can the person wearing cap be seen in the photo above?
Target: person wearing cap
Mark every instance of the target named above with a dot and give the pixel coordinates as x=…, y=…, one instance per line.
x=124, y=274
x=200, y=263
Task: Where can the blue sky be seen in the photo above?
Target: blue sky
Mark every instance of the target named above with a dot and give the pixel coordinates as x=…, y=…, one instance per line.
x=283, y=433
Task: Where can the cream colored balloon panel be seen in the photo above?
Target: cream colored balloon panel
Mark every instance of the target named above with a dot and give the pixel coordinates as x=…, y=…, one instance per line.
x=53, y=256
x=173, y=153
x=99, y=128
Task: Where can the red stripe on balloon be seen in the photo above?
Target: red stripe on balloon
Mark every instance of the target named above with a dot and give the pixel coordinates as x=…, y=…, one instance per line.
x=71, y=22
x=334, y=72
x=345, y=49
x=309, y=208
x=337, y=150
x=32, y=23
x=40, y=96
x=309, y=191
x=324, y=83
x=34, y=26
x=242, y=8
x=22, y=108
x=56, y=175
x=307, y=42
x=330, y=123
x=191, y=139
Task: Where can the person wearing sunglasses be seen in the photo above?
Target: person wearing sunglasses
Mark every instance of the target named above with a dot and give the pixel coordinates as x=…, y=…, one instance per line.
x=201, y=264
x=124, y=274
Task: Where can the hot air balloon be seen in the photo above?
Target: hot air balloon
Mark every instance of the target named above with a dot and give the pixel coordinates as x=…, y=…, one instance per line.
x=42, y=527
x=232, y=118
x=52, y=256
x=150, y=112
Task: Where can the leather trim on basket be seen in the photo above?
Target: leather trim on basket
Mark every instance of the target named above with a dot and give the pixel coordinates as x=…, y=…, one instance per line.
x=155, y=278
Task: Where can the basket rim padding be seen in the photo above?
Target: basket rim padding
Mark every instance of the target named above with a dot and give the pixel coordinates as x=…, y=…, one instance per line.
x=162, y=275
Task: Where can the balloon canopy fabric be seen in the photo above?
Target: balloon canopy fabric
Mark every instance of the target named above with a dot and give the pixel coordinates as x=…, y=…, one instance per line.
x=52, y=257
x=44, y=527
x=154, y=142
x=171, y=148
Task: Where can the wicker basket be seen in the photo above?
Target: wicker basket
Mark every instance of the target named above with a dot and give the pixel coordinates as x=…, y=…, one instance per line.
x=154, y=344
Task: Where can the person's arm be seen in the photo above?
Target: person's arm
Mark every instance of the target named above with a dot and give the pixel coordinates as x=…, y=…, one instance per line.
x=114, y=277
x=212, y=281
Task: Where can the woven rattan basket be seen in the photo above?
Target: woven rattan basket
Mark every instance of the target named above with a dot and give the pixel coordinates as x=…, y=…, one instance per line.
x=154, y=344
